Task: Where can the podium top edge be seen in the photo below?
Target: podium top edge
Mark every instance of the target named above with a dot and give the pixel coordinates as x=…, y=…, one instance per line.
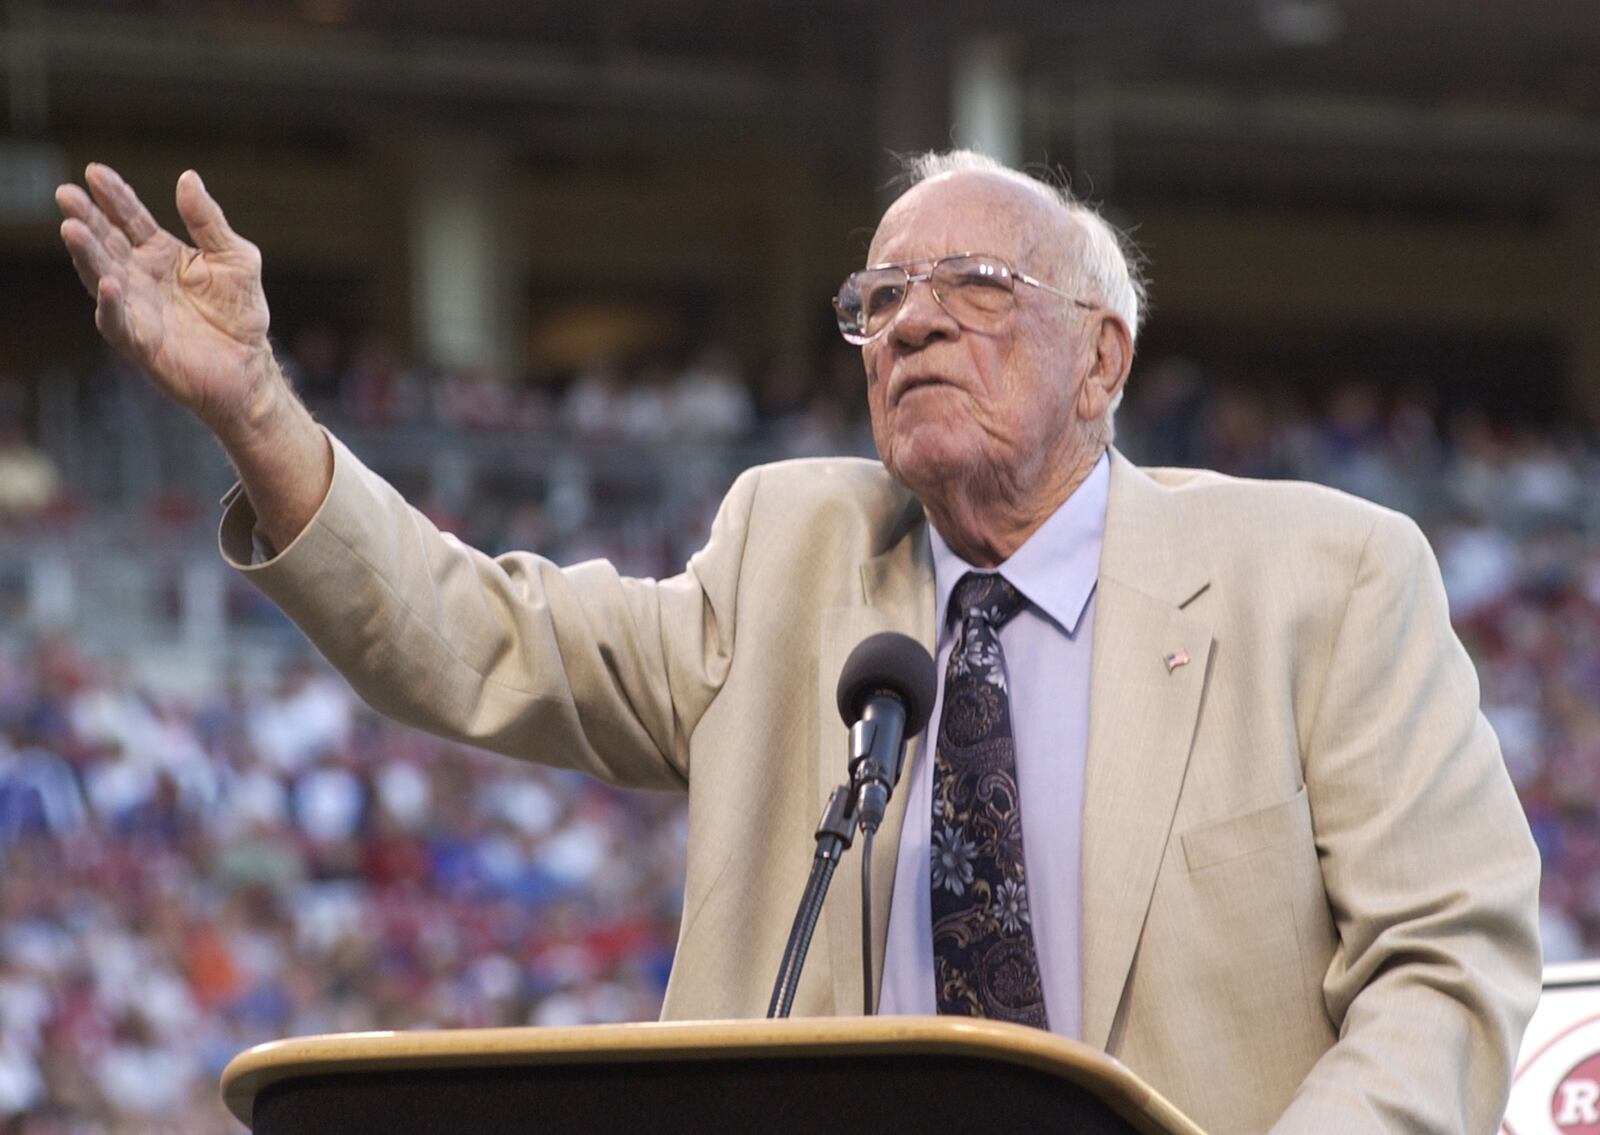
x=276, y=1061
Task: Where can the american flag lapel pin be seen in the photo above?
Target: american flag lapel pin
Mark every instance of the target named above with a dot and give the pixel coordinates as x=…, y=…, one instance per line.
x=1175, y=659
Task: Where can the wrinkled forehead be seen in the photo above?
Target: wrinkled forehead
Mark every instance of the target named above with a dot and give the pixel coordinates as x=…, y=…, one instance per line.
x=974, y=211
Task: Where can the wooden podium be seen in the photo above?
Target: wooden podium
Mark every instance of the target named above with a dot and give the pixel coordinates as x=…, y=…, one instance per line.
x=770, y=1077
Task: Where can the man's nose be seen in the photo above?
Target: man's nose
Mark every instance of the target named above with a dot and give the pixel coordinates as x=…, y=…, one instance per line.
x=922, y=317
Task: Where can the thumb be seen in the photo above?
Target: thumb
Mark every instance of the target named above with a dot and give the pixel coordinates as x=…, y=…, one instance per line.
x=202, y=216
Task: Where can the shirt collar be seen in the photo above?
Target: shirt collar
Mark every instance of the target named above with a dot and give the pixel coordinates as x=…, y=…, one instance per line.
x=1056, y=567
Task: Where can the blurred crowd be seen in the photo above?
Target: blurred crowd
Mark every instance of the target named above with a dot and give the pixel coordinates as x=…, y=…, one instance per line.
x=183, y=876
x=705, y=395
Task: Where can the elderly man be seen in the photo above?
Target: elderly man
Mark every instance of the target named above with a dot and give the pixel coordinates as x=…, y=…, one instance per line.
x=1206, y=786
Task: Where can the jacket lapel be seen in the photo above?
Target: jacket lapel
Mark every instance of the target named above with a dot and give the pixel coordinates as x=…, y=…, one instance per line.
x=1151, y=659
x=896, y=595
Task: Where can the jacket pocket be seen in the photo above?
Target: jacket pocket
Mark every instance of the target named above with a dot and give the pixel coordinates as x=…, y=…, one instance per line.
x=1286, y=822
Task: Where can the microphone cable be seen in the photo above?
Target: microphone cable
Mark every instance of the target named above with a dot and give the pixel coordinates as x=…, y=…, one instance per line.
x=869, y=1006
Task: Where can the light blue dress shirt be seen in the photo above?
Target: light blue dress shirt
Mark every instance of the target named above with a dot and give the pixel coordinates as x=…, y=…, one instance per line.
x=1047, y=646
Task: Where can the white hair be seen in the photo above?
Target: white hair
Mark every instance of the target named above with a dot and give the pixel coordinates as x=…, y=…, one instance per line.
x=1105, y=263
x=1105, y=267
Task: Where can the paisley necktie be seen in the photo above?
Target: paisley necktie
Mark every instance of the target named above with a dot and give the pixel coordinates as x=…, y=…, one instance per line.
x=985, y=963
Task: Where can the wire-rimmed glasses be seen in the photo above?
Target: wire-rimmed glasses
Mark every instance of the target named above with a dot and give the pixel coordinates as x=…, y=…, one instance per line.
x=977, y=289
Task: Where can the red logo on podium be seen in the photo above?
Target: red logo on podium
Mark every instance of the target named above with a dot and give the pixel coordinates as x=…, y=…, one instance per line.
x=1575, y=1106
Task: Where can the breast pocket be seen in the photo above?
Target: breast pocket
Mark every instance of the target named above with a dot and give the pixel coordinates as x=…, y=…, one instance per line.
x=1285, y=823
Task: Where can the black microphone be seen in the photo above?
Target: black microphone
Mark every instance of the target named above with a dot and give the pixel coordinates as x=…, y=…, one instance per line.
x=885, y=695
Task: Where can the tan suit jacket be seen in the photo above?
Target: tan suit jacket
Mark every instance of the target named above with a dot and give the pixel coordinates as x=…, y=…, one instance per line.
x=1309, y=892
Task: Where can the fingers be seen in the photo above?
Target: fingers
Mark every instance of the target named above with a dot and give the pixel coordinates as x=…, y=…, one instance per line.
x=75, y=204
x=111, y=319
x=119, y=202
x=89, y=256
x=99, y=254
x=203, y=217
x=108, y=311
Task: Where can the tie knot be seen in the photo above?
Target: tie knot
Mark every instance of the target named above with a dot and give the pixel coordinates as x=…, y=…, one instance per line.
x=987, y=596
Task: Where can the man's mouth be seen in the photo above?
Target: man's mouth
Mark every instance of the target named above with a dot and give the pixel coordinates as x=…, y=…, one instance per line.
x=921, y=383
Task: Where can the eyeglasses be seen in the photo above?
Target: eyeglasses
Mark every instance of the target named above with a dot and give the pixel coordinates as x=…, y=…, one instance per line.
x=976, y=289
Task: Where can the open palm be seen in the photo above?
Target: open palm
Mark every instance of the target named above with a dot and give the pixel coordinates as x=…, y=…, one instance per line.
x=194, y=318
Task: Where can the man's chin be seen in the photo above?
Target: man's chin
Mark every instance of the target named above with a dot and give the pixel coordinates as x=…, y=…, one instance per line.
x=928, y=465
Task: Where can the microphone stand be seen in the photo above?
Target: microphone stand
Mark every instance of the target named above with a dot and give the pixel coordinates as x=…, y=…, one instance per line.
x=861, y=803
x=834, y=832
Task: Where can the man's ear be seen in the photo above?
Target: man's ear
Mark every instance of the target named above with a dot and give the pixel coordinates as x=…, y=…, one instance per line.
x=1112, y=359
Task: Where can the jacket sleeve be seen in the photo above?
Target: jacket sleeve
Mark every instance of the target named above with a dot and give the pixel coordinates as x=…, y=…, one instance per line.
x=1430, y=871
x=577, y=667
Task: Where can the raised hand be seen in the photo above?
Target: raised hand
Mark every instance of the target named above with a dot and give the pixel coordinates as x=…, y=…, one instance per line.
x=194, y=318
